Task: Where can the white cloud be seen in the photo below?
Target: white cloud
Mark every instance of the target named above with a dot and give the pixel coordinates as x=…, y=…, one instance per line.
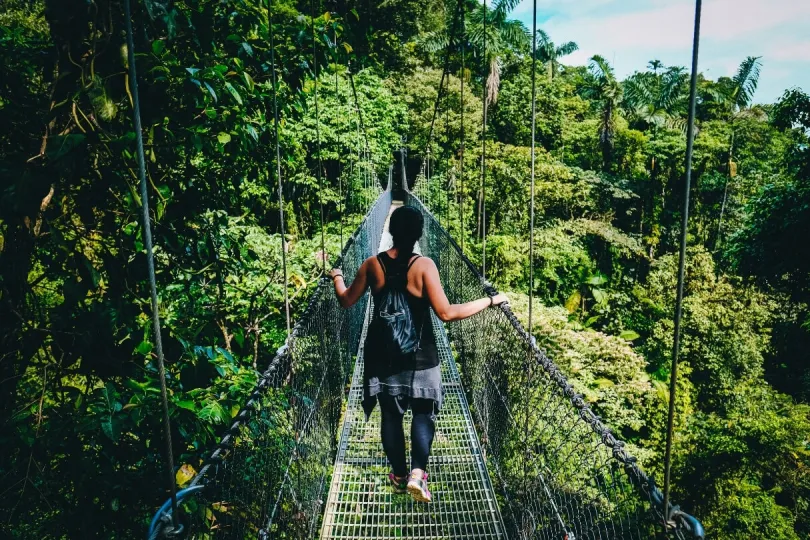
x=632, y=32
x=735, y=19
x=571, y=8
x=789, y=52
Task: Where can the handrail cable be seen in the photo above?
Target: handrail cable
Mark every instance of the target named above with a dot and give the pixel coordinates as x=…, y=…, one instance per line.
x=150, y=259
x=690, y=142
x=278, y=170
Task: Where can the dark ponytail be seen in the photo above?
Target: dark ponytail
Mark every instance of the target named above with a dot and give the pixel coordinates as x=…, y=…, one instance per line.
x=406, y=228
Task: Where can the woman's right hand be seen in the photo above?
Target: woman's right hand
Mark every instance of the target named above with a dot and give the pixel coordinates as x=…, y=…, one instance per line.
x=499, y=299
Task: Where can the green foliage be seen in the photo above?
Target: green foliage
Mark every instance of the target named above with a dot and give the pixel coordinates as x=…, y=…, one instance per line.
x=508, y=116
x=724, y=331
x=748, y=467
x=78, y=379
x=605, y=369
x=82, y=434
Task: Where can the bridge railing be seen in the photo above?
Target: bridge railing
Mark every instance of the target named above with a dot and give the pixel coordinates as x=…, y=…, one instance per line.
x=558, y=471
x=269, y=474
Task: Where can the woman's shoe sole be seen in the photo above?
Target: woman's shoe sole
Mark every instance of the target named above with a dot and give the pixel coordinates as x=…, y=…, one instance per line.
x=416, y=492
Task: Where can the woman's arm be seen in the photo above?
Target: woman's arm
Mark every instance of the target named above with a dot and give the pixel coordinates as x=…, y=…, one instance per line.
x=348, y=296
x=443, y=308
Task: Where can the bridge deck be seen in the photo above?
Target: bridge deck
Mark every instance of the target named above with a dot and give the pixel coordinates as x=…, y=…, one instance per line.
x=361, y=503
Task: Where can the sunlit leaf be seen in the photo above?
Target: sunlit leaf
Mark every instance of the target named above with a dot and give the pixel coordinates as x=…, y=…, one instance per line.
x=144, y=348
x=233, y=92
x=600, y=296
x=572, y=304
x=185, y=474
x=211, y=91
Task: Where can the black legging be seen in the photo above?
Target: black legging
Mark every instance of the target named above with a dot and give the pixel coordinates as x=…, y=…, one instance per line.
x=423, y=428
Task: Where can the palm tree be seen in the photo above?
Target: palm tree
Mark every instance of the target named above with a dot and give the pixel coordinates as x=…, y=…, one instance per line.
x=549, y=53
x=657, y=100
x=738, y=97
x=493, y=35
x=503, y=36
x=603, y=88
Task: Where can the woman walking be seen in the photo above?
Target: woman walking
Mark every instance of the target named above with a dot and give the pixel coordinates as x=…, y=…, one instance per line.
x=402, y=381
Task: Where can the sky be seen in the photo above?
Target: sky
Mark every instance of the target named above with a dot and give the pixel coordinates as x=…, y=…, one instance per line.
x=630, y=33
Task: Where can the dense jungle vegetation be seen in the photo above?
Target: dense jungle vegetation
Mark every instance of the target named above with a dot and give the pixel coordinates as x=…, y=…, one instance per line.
x=81, y=435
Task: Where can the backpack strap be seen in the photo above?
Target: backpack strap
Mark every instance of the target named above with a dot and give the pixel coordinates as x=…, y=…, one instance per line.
x=412, y=261
x=382, y=263
x=381, y=259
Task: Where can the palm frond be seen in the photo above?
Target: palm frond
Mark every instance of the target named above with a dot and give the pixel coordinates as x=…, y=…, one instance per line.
x=505, y=6
x=638, y=91
x=717, y=95
x=566, y=48
x=678, y=123
x=434, y=41
x=514, y=34
x=600, y=68
x=475, y=29
x=746, y=81
x=673, y=90
x=542, y=38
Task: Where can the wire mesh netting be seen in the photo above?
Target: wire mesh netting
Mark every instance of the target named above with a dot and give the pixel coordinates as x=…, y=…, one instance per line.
x=270, y=472
x=557, y=470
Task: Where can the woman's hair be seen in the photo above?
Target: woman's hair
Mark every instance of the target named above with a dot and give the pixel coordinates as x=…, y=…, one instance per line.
x=406, y=228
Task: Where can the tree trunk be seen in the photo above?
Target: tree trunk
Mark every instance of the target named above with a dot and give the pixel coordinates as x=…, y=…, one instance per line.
x=607, y=142
x=18, y=346
x=24, y=206
x=725, y=193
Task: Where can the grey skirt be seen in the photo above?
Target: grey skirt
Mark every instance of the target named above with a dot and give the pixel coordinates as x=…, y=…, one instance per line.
x=419, y=384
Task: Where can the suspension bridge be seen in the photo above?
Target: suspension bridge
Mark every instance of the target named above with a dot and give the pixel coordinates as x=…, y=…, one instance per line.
x=518, y=454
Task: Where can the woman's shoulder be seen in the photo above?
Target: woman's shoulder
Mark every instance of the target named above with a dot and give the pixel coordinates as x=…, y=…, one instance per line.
x=370, y=262
x=424, y=263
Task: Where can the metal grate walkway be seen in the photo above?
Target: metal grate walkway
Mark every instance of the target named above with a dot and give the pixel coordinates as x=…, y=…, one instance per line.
x=361, y=503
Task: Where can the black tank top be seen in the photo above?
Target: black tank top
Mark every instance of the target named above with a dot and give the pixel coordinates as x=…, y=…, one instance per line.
x=428, y=354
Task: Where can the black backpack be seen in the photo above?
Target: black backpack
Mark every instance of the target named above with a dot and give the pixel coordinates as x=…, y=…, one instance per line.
x=392, y=331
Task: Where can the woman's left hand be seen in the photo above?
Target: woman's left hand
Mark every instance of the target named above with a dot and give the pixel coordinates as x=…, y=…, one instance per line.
x=334, y=272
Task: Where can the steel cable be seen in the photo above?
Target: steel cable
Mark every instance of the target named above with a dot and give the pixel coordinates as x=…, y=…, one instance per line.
x=150, y=258
x=482, y=198
x=278, y=168
x=318, y=138
x=690, y=141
